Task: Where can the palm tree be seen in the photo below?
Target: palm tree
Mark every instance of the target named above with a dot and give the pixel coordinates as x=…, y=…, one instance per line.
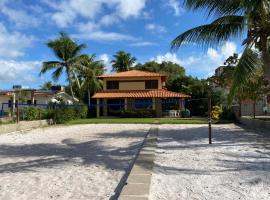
x=69, y=55
x=123, y=61
x=235, y=19
x=88, y=73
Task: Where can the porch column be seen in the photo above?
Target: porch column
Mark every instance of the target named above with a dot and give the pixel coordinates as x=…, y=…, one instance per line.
x=158, y=107
x=97, y=107
x=105, y=108
x=180, y=104
x=32, y=97
x=154, y=104
x=126, y=104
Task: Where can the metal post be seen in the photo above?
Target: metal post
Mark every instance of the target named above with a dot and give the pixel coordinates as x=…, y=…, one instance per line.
x=18, y=113
x=209, y=119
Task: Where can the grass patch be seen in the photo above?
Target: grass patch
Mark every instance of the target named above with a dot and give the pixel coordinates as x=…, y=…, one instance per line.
x=139, y=121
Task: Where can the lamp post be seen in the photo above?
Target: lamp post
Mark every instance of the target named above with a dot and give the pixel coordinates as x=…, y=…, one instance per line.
x=209, y=115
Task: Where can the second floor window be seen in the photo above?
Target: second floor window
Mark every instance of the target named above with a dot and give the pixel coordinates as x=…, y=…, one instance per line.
x=151, y=84
x=112, y=85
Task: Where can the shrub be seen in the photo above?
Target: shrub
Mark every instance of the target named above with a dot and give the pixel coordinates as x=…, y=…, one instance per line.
x=185, y=113
x=216, y=112
x=138, y=113
x=63, y=114
x=228, y=114
x=31, y=113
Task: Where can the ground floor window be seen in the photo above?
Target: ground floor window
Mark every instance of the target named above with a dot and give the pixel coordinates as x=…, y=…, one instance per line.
x=115, y=106
x=143, y=103
x=170, y=104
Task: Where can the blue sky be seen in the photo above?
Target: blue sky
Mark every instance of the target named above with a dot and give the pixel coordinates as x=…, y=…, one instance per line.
x=144, y=28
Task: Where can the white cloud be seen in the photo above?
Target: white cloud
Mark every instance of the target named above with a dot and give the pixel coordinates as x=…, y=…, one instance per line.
x=130, y=8
x=19, y=71
x=143, y=44
x=176, y=7
x=104, y=36
x=13, y=44
x=67, y=11
x=18, y=16
x=172, y=57
x=201, y=65
x=228, y=49
x=155, y=28
x=106, y=60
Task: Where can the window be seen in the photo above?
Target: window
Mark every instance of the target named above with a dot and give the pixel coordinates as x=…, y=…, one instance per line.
x=151, y=84
x=143, y=103
x=9, y=103
x=112, y=85
x=29, y=102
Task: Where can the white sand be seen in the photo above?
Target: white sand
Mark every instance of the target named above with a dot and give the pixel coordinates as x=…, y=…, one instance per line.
x=236, y=166
x=73, y=162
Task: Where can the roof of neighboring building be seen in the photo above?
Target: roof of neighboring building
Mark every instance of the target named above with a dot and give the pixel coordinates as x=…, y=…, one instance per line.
x=132, y=73
x=36, y=92
x=160, y=93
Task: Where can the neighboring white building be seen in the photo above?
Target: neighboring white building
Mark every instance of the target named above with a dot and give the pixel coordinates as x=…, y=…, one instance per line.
x=32, y=96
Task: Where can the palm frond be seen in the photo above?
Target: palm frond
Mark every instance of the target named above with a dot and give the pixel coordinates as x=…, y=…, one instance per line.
x=49, y=65
x=215, y=7
x=212, y=34
x=57, y=73
x=247, y=65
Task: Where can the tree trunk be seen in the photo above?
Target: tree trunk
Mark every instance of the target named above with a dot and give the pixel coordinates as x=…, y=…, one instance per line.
x=240, y=109
x=254, y=109
x=265, y=58
x=89, y=97
x=70, y=85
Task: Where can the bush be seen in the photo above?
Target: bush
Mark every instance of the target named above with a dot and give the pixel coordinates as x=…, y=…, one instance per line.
x=228, y=114
x=32, y=113
x=185, y=113
x=138, y=113
x=216, y=112
x=63, y=114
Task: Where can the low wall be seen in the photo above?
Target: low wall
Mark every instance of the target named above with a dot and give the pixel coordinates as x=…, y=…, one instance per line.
x=23, y=125
x=255, y=123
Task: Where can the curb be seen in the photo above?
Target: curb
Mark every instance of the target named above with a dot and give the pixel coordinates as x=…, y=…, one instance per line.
x=137, y=186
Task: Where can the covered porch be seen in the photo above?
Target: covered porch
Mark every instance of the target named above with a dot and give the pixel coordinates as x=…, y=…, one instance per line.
x=159, y=106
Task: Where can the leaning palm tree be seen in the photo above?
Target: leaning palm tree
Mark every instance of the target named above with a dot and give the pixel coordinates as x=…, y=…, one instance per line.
x=69, y=54
x=235, y=19
x=123, y=61
x=89, y=71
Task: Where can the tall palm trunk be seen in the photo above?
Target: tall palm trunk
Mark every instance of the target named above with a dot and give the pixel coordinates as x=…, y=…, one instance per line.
x=89, y=97
x=240, y=109
x=254, y=109
x=265, y=57
x=70, y=84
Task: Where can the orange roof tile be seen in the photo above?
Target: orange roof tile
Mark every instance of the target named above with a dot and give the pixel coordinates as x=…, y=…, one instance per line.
x=132, y=73
x=161, y=93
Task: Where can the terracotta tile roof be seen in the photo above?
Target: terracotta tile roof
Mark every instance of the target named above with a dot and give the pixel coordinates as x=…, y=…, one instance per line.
x=132, y=73
x=161, y=93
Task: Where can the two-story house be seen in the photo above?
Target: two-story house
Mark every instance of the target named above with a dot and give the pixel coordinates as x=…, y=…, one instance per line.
x=131, y=90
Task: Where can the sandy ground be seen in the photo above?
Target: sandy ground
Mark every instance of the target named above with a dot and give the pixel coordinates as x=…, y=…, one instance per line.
x=72, y=162
x=236, y=166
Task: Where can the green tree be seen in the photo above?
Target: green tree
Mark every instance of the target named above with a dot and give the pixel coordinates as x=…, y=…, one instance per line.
x=88, y=73
x=255, y=89
x=122, y=61
x=47, y=85
x=235, y=18
x=69, y=55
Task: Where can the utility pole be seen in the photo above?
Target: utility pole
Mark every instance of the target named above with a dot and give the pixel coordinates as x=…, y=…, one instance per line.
x=209, y=119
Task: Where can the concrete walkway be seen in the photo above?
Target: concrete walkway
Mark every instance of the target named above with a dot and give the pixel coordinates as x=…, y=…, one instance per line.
x=139, y=180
